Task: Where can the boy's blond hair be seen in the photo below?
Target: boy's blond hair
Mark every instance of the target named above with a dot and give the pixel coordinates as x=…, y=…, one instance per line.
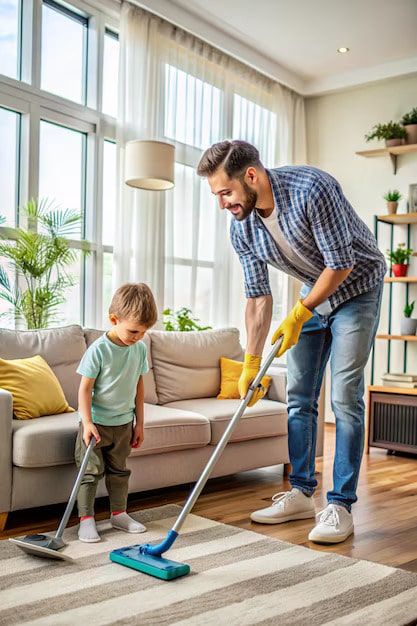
x=134, y=301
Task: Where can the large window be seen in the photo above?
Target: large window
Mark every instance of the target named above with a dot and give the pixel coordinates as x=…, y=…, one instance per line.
x=10, y=38
x=64, y=51
x=52, y=145
x=198, y=114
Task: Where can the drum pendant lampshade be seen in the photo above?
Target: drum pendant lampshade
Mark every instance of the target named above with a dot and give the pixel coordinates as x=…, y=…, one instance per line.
x=149, y=165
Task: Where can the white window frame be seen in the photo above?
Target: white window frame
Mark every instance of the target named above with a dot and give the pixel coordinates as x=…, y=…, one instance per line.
x=34, y=104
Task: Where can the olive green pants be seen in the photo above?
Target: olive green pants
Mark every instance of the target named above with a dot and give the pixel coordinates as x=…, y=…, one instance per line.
x=108, y=459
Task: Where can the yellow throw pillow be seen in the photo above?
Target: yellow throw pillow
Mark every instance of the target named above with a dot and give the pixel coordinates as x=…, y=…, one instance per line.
x=35, y=388
x=230, y=372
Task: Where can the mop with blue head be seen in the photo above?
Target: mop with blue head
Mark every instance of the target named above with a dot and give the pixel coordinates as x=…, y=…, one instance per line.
x=148, y=558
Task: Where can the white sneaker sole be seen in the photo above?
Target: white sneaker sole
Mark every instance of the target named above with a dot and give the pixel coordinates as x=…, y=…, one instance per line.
x=324, y=539
x=280, y=520
x=84, y=540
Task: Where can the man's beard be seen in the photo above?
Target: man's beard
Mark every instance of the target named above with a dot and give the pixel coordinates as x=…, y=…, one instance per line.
x=249, y=203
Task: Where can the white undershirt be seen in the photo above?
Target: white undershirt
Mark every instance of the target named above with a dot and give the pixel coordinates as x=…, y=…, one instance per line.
x=271, y=223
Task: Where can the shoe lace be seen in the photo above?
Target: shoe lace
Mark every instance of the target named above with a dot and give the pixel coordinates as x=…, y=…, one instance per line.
x=330, y=516
x=282, y=496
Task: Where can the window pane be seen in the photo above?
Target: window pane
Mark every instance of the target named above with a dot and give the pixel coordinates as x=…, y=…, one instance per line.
x=62, y=167
x=207, y=224
x=180, y=217
x=257, y=125
x=107, y=285
x=110, y=73
x=9, y=142
x=192, y=109
x=63, y=53
x=203, y=295
x=9, y=37
x=109, y=191
x=182, y=290
x=7, y=319
x=70, y=311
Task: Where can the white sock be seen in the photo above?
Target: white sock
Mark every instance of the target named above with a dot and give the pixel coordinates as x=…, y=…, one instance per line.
x=122, y=521
x=87, y=531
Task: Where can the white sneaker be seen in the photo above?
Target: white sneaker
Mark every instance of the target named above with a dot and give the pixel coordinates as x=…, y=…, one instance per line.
x=286, y=506
x=334, y=525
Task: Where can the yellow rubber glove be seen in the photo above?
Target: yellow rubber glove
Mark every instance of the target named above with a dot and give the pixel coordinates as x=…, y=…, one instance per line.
x=291, y=327
x=251, y=366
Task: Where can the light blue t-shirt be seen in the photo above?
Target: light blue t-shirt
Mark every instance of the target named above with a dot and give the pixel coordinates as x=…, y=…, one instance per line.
x=116, y=370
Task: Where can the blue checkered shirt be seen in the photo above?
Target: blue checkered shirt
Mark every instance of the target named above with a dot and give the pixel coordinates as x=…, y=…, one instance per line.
x=320, y=225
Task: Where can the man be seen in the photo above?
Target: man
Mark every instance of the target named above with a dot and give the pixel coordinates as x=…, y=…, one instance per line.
x=297, y=219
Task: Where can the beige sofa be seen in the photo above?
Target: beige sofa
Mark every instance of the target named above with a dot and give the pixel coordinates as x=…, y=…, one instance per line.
x=183, y=418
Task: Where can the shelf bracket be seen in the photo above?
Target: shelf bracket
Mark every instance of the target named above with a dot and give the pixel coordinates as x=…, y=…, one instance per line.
x=393, y=158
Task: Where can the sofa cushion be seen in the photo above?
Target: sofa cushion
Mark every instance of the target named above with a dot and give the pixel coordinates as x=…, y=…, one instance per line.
x=91, y=334
x=50, y=440
x=168, y=429
x=62, y=348
x=265, y=419
x=186, y=364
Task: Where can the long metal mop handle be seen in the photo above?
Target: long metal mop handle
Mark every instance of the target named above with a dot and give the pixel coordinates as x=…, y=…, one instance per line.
x=75, y=489
x=225, y=438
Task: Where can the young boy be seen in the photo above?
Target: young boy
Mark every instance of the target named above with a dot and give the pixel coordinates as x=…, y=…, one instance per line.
x=110, y=396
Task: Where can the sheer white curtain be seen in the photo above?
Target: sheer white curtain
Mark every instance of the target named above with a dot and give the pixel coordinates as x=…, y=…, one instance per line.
x=195, y=95
x=139, y=253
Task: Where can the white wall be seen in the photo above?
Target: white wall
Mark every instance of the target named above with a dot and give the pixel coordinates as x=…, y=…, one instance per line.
x=336, y=125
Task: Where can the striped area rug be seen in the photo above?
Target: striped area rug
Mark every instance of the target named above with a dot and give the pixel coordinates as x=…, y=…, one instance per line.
x=238, y=578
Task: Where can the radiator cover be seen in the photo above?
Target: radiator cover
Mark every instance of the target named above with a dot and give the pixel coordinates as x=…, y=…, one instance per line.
x=393, y=422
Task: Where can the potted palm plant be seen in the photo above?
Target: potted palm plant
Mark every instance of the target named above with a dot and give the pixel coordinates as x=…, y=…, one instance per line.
x=39, y=259
x=392, y=132
x=399, y=259
x=392, y=198
x=408, y=324
x=409, y=121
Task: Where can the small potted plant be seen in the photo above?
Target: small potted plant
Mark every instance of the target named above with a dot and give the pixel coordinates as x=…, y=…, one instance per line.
x=392, y=132
x=408, y=324
x=399, y=259
x=409, y=121
x=181, y=320
x=392, y=198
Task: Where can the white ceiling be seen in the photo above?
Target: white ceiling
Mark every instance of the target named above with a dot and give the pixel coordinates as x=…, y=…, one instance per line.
x=295, y=41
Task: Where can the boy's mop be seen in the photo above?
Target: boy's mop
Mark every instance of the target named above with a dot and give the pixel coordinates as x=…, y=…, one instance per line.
x=48, y=546
x=148, y=558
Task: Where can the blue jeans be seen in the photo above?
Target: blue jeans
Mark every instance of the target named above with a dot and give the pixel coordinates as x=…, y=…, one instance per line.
x=346, y=336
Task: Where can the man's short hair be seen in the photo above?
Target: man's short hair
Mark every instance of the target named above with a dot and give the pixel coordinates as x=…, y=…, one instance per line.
x=134, y=301
x=234, y=157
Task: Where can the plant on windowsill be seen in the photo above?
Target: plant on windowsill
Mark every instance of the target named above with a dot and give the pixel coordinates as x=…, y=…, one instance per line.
x=39, y=261
x=409, y=121
x=182, y=320
x=392, y=132
x=392, y=198
x=399, y=259
x=408, y=324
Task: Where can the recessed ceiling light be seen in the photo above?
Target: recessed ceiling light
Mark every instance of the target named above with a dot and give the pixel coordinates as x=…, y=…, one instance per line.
x=343, y=50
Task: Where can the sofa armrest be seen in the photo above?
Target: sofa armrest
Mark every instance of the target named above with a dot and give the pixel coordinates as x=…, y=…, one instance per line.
x=6, y=416
x=278, y=388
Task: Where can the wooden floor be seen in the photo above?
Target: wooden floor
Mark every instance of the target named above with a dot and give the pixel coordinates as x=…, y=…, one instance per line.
x=385, y=515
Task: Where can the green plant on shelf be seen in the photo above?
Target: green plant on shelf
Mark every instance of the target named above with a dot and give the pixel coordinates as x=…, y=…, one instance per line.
x=390, y=130
x=400, y=256
x=408, y=309
x=392, y=196
x=410, y=117
x=181, y=320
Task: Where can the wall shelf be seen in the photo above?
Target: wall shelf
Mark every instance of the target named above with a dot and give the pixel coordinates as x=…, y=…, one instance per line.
x=398, y=337
x=398, y=218
x=393, y=152
x=400, y=279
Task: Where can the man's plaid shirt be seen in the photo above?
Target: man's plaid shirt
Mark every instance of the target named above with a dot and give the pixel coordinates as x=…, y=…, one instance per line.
x=320, y=225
